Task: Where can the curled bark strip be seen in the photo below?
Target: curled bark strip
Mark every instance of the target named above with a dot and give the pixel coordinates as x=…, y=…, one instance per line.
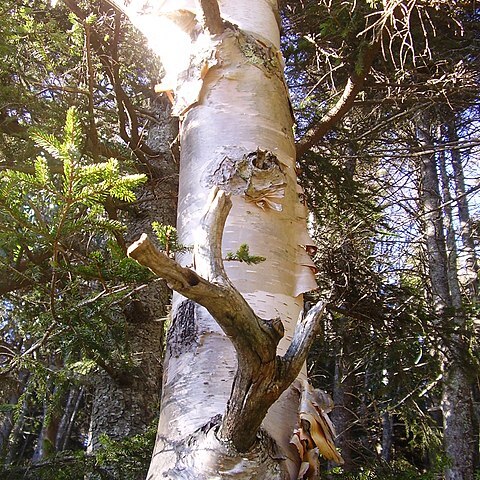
x=315, y=433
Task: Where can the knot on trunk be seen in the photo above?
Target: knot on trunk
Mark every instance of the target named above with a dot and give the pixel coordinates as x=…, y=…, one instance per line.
x=257, y=176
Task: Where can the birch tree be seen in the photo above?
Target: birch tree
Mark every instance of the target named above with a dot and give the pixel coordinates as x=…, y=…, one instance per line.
x=239, y=290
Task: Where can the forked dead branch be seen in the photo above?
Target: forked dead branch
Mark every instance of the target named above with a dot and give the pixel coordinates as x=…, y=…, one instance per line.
x=261, y=374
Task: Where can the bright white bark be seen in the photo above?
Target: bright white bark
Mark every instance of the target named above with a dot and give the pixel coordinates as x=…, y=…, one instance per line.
x=236, y=134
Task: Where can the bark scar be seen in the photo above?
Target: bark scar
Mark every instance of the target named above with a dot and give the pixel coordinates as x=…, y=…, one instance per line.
x=182, y=334
x=258, y=176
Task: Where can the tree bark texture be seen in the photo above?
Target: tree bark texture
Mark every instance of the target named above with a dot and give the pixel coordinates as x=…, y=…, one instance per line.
x=450, y=236
x=470, y=259
x=466, y=233
x=236, y=136
x=343, y=394
x=75, y=396
x=456, y=396
x=126, y=405
x=387, y=436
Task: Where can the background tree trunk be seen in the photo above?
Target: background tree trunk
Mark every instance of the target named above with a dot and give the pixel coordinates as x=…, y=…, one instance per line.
x=466, y=233
x=456, y=396
x=127, y=405
x=75, y=397
x=342, y=415
x=45, y=446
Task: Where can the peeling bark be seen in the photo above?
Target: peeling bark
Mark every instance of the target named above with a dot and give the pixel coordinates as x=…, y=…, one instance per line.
x=235, y=136
x=257, y=176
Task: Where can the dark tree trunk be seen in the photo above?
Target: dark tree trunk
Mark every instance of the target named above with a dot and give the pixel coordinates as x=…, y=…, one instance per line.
x=456, y=397
x=54, y=398
x=75, y=396
x=342, y=415
x=387, y=437
x=124, y=407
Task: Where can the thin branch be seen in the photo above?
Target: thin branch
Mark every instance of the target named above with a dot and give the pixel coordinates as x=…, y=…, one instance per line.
x=14, y=278
x=108, y=55
x=93, y=137
x=305, y=333
x=354, y=85
x=14, y=362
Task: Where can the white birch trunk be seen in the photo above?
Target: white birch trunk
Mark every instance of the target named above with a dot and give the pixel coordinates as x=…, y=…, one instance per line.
x=236, y=134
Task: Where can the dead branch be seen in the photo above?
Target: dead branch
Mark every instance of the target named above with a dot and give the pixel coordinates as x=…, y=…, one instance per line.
x=305, y=333
x=261, y=375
